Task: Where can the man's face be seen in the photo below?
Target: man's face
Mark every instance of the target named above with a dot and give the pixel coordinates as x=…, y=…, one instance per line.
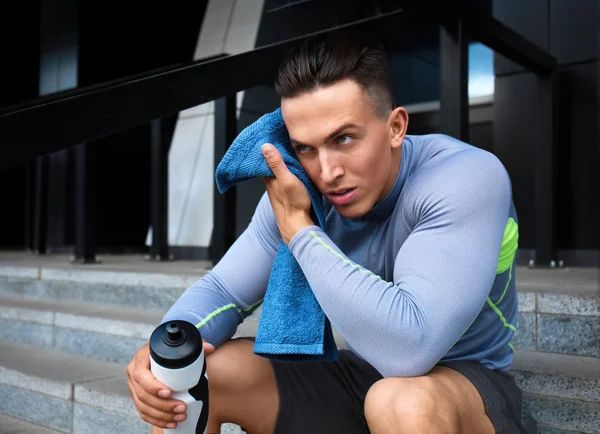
x=345, y=148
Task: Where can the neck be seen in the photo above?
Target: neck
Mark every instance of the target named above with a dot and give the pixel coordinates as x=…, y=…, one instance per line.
x=396, y=160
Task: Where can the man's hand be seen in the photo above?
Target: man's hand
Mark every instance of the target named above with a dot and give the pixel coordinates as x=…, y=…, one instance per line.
x=150, y=396
x=288, y=196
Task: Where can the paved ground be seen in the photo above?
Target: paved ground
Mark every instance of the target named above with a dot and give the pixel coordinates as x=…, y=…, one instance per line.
x=135, y=263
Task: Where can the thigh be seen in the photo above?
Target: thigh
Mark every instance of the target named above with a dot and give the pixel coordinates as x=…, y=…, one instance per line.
x=242, y=388
x=502, y=398
x=323, y=397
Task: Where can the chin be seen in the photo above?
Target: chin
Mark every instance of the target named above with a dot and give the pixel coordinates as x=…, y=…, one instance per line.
x=352, y=211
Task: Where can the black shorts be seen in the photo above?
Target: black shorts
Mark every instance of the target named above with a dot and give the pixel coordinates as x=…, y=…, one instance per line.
x=328, y=397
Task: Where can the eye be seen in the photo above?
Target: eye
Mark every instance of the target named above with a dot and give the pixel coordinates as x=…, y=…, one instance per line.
x=301, y=149
x=343, y=139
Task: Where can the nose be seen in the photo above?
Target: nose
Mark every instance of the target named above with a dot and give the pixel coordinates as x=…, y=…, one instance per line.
x=330, y=168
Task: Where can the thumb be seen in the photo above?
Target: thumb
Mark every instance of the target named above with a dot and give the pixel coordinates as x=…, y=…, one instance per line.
x=273, y=158
x=208, y=348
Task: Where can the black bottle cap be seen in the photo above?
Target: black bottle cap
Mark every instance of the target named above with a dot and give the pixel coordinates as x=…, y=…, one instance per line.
x=175, y=344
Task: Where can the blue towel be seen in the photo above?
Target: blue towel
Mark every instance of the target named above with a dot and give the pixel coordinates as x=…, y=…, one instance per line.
x=292, y=326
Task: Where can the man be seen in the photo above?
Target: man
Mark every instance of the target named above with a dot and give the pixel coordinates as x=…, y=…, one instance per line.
x=415, y=270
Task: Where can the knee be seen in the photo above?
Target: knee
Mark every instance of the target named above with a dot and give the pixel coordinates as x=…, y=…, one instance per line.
x=401, y=403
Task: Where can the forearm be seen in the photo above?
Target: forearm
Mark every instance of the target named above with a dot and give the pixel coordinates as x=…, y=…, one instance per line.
x=206, y=306
x=220, y=301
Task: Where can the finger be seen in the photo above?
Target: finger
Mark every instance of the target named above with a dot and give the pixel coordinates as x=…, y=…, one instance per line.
x=156, y=408
x=166, y=405
x=157, y=422
x=274, y=160
x=144, y=377
x=144, y=413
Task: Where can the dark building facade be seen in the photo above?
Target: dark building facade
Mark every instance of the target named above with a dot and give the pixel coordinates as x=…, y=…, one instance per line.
x=105, y=45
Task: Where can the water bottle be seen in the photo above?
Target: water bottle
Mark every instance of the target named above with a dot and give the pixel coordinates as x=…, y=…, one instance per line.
x=177, y=360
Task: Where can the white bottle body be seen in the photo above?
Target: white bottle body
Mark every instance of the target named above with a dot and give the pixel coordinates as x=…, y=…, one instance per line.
x=180, y=381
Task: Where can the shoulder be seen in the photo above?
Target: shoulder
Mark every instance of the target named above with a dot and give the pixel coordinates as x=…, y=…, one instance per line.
x=461, y=180
x=448, y=163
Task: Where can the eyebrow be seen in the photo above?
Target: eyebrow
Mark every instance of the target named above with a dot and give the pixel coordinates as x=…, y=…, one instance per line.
x=332, y=135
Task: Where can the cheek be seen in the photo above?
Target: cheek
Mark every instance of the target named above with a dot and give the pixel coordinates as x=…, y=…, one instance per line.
x=311, y=167
x=372, y=163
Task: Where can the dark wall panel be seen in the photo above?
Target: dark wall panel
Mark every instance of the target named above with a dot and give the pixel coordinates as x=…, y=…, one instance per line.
x=482, y=136
x=526, y=17
x=19, y=81
x=20, y=47
x=424, y=81
x=571, y=31
x=514, y=105
x=577, y=159
x=293, y=21
x=273, y=4
x=400, y=70
x=119, y=39
x=578, y=162
x=261, y=99
x=573, y=25
x=481, y=126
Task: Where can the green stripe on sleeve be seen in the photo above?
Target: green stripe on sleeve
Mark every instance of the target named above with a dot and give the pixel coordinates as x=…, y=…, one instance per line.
x=224, y=308
x=510, y=243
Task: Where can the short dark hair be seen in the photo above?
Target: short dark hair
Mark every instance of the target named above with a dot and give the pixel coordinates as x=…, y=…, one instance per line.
x=323, y=60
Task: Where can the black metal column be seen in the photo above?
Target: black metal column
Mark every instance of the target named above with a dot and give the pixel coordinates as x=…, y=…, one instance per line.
x=454, y=89
x=546, y=126
x=40, y=213
x=224, y=205
x=29, y=204
x=85, y=205
x=159, y=192
x=59, y=61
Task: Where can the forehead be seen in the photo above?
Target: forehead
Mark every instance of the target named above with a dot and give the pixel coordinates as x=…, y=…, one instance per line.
x=317, y=113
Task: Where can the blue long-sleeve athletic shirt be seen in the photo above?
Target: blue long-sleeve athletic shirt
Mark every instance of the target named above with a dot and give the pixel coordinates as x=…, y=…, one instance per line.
x=427, y=275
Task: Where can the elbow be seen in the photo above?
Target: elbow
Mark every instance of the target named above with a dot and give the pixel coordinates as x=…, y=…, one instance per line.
x=409, y=367
x=411, y=357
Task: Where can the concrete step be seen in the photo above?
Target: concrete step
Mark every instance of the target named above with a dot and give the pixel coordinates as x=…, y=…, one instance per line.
x=542, y=429
x=110, y=313
x=42, y=387
x=68, y=393
x=133, y=289
x=103, y=332
x=559, y=323
x=562, y=392
x=77, y=394
x=550, y=321
x=132, y=282
x=12, y=425
x=100, y=331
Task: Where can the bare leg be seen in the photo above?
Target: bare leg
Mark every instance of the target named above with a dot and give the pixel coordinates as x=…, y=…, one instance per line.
x=443, y=401
x=242, y=389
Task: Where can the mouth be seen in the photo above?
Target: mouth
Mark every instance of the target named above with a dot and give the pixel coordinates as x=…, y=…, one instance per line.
x=342, y=196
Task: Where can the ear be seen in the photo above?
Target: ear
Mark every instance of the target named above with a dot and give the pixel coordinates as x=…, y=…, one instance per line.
x=398, y=124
